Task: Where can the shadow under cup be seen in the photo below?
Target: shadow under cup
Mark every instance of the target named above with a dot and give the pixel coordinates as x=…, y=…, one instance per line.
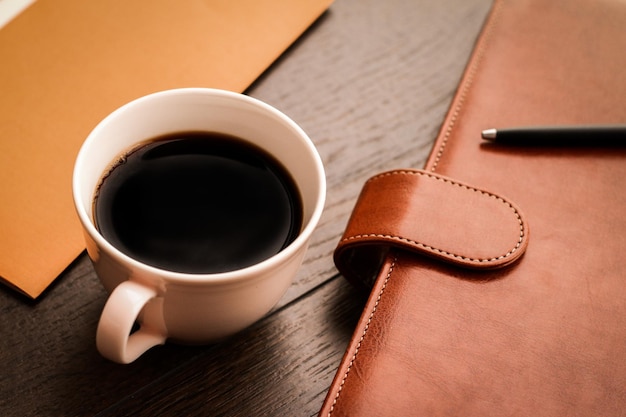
x=191, y=308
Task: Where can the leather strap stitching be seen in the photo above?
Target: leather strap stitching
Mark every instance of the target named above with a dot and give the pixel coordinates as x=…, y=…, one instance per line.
x=520, y=240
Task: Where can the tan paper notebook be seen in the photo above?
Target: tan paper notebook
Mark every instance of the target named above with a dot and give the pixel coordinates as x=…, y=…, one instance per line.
x=66, y=64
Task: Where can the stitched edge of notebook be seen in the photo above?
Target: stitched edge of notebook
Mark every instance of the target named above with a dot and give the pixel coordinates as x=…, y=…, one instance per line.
x=365, y=330
x=522, y=230
x=469, y=81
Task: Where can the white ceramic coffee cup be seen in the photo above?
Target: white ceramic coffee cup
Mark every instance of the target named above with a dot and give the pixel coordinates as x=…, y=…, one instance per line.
x=191, y=308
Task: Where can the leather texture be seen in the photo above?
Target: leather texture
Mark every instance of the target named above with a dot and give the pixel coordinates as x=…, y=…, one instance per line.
x=543, y=336
x=430, y=215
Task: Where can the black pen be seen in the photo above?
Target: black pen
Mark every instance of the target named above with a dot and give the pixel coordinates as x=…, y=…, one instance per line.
x=601, y=135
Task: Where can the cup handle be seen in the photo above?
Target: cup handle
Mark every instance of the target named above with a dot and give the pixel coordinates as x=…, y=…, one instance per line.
x=113, y=337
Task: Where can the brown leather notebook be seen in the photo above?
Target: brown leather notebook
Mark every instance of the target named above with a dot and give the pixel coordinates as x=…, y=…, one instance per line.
x=497, y=273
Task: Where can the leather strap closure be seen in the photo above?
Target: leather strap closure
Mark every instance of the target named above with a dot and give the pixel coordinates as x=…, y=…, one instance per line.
x=430, y=215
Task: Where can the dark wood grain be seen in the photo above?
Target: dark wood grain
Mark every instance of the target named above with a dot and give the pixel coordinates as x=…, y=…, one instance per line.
x=370, y=82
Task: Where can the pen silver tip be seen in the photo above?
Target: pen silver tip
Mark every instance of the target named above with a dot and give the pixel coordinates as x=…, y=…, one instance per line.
x=489, y=134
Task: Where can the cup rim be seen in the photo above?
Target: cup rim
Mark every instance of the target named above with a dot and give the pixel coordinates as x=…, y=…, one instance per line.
x=202, y=278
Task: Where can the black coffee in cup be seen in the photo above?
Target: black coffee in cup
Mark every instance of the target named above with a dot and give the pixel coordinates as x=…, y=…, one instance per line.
x=198, y=202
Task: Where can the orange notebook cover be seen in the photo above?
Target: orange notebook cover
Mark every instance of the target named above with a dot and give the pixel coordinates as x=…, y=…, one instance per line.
x=66, y=64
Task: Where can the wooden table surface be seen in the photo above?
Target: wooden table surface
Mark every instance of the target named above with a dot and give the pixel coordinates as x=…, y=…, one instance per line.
x=370, y=82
